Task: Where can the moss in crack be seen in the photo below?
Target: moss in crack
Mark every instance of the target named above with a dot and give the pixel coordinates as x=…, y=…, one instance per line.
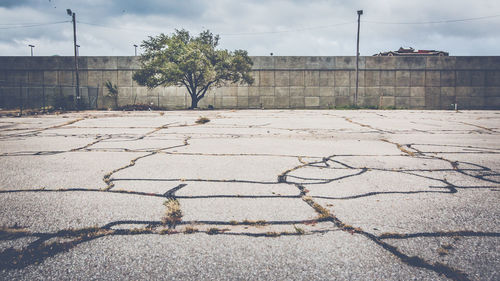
x=400, y=147
x=323, y=213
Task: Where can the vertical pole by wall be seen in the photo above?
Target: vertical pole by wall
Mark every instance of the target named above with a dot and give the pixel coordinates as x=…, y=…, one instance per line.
x=20, y=99
x=360, y=12
x=43, y=98
x=76, y=64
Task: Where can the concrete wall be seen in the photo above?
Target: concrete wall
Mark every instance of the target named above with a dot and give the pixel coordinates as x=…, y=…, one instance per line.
x=280, y=82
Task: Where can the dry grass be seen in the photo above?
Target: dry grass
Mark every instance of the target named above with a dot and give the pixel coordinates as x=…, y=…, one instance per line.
x=202, y=120
x=299, y=230
x=173, y=213
x=167, y=231
x=258, y=223
x=323, y=213
x=213, y=231
x=190, y=230
x=442, y=252
x=7, y=233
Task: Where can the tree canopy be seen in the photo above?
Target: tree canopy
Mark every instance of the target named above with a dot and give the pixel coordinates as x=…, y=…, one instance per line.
x=192, y=62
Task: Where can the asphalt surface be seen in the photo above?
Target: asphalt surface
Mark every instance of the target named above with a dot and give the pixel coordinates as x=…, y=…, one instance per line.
x=261, y=195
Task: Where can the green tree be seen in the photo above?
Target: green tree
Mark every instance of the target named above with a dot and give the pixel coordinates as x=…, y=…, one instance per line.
x=192, y=62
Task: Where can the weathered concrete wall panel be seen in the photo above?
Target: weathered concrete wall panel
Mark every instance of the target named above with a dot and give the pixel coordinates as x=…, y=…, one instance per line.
x=280, y=82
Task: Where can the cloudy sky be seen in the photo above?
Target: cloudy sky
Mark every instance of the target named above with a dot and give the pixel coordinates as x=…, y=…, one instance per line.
x=283, y=27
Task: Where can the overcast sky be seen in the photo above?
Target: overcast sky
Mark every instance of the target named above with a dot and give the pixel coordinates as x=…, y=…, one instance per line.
x=283, y=27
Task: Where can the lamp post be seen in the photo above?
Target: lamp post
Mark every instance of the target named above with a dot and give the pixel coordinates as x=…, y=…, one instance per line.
x=360, y=12
x=77, y=50
x=31, y=46
x=135, y=48
x=73, y=16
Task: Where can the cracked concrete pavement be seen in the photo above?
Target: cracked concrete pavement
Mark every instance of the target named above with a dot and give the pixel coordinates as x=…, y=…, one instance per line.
x=252, y=194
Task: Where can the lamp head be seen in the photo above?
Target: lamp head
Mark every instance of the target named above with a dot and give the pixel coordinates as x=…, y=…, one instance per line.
x=360, y=12
x=70, y=13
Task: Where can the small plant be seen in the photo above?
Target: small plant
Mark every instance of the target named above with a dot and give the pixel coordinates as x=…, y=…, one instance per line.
x=258, y=223
x=444, y=249
x=167, y=231
x=213, y=231
x=173, y=214
x=299, y=230
x=447, y=246
x=272, y=234
x=112, y=92
x=7, y=233
x=190, y=230
x=323, y=213
x=202, y=120
x=142, y=230
x=442, y=252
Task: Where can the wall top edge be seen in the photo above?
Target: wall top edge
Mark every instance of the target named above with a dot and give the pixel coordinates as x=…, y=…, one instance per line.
x=266, y=63
x=396, y=57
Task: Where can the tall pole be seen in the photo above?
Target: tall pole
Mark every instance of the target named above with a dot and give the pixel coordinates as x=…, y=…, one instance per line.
x=31, y=46
x=76, y=63
x=135, y=46
x=360, y=12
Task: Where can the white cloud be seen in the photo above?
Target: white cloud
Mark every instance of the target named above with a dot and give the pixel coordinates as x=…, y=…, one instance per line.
x=293, y=27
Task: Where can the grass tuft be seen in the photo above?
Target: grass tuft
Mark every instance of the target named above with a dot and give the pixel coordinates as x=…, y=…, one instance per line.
x=173, y=214
x=213, y=231
x=299, y=230
x=190, y=230
x=202, y=120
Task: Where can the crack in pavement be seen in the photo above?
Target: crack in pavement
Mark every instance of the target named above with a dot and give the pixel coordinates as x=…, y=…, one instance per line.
x=47, y=244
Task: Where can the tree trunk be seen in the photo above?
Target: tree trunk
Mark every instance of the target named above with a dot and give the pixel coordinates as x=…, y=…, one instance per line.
x=194, y=102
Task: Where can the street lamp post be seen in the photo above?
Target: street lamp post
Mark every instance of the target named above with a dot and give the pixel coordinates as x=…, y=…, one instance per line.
x=360, y=12
x=135, y=48
x=73, y=16
x=77, y=50
x=31, y=46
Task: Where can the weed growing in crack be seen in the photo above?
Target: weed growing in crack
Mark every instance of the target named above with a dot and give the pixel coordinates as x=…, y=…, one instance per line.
x=444, y=249
x=190, y=230
x=272, y=234
x=167, y=231
x=299, y=230
x=323, y=213
x=202, y=120
x=257, y=223
x=9, y=233
x=143, y=230
x=173, y=214
x=447, y=246
x=442, y=252
x=213, y=231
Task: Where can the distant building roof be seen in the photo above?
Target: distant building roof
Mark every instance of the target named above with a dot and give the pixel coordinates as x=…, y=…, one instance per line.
x=411, y=52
